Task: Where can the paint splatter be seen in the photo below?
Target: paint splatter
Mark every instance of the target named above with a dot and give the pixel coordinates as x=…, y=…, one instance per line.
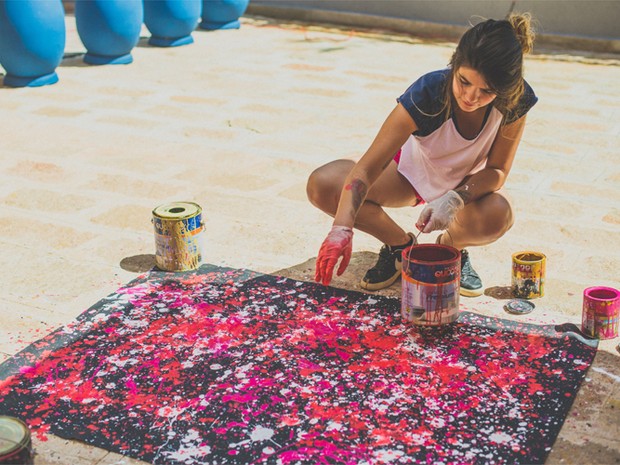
x=229, y=367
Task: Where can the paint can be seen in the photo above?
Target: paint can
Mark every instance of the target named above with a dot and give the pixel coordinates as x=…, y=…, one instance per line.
x=431, y=281
x=601, y=312
x=178, y=227
x=15, y=442
x=528, y=274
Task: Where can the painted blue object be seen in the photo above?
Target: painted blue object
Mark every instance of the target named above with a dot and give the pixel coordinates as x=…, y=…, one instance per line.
x=32, y=41
x=222, y=14
x=171, y=22
x=109, y=29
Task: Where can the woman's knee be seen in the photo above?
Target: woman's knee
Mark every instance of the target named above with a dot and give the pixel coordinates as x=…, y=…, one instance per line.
x=498, y=215
x=325, y=184
x=488, y=218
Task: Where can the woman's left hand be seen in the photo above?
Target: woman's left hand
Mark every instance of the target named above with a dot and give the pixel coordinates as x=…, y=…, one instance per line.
x=439, y=213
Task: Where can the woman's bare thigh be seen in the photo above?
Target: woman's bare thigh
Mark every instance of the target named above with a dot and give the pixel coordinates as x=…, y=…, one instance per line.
x=392, y=189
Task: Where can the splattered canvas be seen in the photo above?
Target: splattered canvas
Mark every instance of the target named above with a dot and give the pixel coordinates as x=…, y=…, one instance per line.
x=222, y=366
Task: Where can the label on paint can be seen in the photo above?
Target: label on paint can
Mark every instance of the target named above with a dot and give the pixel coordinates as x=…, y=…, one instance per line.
x=429, y=305
x=430, y=284
x=178, y=230
x=601, y=312
x=528, y=274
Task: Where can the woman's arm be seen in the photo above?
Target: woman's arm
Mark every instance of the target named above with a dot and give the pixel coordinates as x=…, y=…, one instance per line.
x=393, y=133
x=501, y=156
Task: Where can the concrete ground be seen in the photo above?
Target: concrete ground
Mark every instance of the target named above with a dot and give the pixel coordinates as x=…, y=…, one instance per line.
x=236, y=122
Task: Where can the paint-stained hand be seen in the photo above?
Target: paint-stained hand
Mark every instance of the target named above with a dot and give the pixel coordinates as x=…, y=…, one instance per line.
x=439, y=213
x=338, y=243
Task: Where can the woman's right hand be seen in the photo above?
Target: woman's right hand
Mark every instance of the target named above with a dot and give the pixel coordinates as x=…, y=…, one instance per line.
x=338, y=243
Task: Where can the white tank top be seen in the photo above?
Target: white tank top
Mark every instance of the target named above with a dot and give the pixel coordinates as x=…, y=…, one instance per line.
x=438, y=162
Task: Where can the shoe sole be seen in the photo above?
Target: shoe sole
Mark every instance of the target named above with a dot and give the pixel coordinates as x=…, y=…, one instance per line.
x=470, y=292
x=378, y=286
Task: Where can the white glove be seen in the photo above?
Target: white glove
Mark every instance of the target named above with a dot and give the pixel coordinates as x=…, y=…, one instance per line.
x=439, y=213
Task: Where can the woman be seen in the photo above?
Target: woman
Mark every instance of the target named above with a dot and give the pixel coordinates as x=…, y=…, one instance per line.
x=449, y=143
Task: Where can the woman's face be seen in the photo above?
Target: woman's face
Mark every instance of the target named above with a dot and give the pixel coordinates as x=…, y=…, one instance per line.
x=470, y=89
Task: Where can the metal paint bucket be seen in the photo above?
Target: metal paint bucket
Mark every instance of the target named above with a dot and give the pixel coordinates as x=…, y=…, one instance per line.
x=601, y=312
x=15, y=442
x=177, y=236
x=528, y=274
x=431, y=281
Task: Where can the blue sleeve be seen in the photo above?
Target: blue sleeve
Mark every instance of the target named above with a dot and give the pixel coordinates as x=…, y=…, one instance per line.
x=424, y=99
x=526, y=102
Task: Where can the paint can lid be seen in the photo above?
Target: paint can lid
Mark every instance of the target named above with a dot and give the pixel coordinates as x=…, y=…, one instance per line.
x=519, y=307
x=14, y=435
x=177, y=210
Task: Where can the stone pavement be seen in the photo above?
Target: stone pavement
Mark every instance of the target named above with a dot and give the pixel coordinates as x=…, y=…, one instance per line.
x=236, y=122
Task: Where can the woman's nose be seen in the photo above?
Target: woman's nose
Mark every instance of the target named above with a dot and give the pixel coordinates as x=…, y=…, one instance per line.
x=472, y=95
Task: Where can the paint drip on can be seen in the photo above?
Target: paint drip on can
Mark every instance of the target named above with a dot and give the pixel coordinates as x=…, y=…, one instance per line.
x=528, y=274
x=15, y=442
x=178, y=227
x=601, y=312
x=431, y=277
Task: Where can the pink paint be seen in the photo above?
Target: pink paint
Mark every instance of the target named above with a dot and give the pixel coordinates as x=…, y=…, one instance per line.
x=601, y=312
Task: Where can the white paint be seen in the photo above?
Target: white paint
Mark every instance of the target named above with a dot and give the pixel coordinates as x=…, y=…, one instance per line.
x=387, y=455
x=191, y=454
x=500, y=438
x=261, y=433
x=333, y=425
x=605, y=372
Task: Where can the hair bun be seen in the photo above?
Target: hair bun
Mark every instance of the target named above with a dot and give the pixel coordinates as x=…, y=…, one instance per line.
x=522, y=25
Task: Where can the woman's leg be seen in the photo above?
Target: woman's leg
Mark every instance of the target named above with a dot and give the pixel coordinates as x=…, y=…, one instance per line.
x=481, y=222
x=390, y=190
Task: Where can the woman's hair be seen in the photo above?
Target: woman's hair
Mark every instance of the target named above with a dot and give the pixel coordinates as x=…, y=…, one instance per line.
x=495, y=49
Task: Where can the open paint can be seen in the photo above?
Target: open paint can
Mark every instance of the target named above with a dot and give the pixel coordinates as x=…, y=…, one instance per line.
x=15, y=442
x=177, y=236
x=601, y=310
x=528, y=274
x=431, y=281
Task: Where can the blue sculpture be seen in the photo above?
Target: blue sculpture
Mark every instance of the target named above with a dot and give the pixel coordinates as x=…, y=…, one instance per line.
x=222, y=14
x=109, y=29
x=171, y=22
x=32, y=41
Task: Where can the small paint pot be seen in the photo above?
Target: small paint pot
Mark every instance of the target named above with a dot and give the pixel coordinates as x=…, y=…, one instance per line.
x=431, y=281
x=528, y=274
x=601, y=312
x=177, y=236
x=15, y=442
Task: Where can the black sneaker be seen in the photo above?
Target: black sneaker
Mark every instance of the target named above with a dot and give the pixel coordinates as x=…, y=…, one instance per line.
x=387, y=269
x=471, y=284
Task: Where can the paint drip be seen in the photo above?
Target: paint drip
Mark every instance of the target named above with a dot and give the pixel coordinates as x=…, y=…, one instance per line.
x=178, y=227
x=601, y=312
x=431, y=277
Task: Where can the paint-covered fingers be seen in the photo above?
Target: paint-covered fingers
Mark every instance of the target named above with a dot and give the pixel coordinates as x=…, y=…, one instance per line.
x=338, y=243
x=346, y=258
x=439, y=213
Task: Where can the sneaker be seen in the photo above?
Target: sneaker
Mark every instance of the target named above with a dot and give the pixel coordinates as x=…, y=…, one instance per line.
x=388, y=266
x=471, y=284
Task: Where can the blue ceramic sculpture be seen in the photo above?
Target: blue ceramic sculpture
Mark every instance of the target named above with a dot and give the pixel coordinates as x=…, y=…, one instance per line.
x=32, y=41
x=109, y=29
x=171, y=22
x=222, y=14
